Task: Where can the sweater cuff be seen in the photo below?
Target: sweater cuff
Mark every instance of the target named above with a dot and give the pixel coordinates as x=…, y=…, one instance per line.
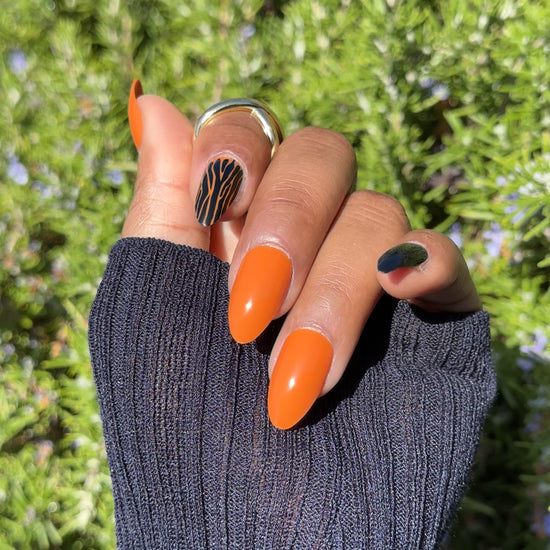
x=175, y=285
x=455, y=342
x=170, y=285
x=156, y=286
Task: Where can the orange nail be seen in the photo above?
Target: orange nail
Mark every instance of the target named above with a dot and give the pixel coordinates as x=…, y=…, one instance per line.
x=298, y=377
x=258, y=292
x=134, y=114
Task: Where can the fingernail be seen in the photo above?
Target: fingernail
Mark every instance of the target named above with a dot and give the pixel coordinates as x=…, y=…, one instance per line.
x=298, y=377
x=134, y=114
x=260, y=287
x=218, y=189
x=402, y=255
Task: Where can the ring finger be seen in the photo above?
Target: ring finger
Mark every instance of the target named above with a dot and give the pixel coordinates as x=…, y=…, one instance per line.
x=324, y=325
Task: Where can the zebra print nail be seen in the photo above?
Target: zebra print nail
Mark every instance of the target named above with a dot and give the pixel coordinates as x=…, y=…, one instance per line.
x=218, y=189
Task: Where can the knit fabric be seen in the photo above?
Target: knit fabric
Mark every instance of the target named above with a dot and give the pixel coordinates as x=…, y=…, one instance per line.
x=381, y=462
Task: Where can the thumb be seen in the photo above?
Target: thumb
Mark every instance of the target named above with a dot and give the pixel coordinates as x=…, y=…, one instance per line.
x=428, y=269
x=162, y=206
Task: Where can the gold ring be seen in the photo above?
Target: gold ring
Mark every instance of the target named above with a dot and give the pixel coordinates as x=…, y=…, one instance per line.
x=260, y=111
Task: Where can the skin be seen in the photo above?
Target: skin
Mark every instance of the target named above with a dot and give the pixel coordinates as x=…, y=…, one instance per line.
x=299, y=202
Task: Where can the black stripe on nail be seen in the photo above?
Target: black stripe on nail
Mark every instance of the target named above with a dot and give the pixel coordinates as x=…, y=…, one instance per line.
x=402, y=255
x=218, y=189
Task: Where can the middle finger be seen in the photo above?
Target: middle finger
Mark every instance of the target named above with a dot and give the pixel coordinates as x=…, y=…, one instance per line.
x=292, y=212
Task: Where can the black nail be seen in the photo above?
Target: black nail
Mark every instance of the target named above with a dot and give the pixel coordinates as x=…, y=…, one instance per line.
x=218, y=189
x=402, y=255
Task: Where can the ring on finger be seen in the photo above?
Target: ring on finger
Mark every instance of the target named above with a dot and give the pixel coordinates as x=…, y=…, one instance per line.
x=259, y=110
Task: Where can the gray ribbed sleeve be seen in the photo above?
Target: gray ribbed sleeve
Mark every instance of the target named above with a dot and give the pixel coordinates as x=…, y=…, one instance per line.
x=381, y=462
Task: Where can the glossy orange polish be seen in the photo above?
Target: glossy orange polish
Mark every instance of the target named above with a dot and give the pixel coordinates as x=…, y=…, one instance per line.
x=298, y=377
x=259, y=289
x=134, y=114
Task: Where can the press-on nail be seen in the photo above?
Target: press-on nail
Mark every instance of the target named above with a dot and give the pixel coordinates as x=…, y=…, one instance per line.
x=218, y=189
x=258, y=292
x=402, y=255
x=134, y=114
x=298, y=377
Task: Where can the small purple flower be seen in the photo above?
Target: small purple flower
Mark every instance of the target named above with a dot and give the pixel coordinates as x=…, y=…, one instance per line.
x=525, y=364
x=511, y=207
x=494, y=237
x=17, y=171
x=519, y=216
x=115, y=176
x=8, y=350
x=427, y=83
x=17, y=62
x=518, y=213
x=547, y=525
x=539, y=346
x=247, y=31
x=436, y=89
x=46, y=191
x=455, y=234
x=441, y=91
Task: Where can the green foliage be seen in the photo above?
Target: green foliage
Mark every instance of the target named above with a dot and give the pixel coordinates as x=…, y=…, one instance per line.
x=448, y=108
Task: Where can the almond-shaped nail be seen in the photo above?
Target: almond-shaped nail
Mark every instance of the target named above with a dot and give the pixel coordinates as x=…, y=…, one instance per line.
x=217, y=190
x=134, y=114
x=259, y=289
x=298, y=377
x=402, y=255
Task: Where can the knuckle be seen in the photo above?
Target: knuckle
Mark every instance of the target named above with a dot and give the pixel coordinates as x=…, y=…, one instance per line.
x=323, y=141
x=293, y=198
x=337, y=279
x=146, y=211
x=366, y=204
x=335, y=287
x=151, y=203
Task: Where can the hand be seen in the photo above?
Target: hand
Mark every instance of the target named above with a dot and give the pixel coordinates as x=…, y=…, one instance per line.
x=299, y=241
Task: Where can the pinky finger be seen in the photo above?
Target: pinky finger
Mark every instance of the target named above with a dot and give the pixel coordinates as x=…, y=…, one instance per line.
x=427, y=269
